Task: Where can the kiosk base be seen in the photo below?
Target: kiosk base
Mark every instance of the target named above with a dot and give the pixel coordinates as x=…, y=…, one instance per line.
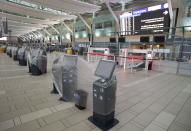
x=22, y=63
x=80, y=107
x=35, y=70
x=15, y=58
x=63, y=99
x=54, y=90
x=103, y=122
x=30, y=69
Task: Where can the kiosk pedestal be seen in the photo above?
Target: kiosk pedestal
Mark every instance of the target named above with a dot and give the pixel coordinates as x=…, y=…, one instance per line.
x=22, y=62
x=35, y=70
x=104, y=96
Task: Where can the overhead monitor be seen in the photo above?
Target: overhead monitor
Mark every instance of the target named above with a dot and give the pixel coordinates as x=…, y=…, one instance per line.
x=105, y=69
x=121, y=39
x=150, y=20
x=159, y=39
x=145, y=39
x=113, y=40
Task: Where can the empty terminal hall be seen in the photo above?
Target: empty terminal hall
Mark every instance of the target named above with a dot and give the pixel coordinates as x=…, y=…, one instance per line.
x=95, y=65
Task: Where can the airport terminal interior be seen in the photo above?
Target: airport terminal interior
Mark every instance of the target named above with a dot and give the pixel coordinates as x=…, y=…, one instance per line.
x=95, y=65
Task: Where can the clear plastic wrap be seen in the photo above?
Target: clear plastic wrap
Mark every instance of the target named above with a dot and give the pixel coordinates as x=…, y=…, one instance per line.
x=39, y=59
x=65, y=74
x=21, y=54
x=9, y=50
x=15, y=52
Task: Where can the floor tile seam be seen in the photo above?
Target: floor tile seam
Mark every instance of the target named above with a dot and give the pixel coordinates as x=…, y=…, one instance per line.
x=182, y=125
x=13, y=70
x=169, y=113
x=147, y=96
x=27, y=114
x=181, y=110
x=147, y=108
x=14, y=77
x=150, y=85
x=126, y=123
x=131, y=122
x=138, y=93
x=145, y=79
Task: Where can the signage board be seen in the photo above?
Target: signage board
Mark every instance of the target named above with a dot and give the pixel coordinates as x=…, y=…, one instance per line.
x=151, y=20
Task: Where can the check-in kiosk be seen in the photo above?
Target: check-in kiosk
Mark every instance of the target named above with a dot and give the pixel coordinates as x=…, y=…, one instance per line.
x=104, y=96
x=9, y=51
x=38, y=63
x=65, y=76
x=15, y=53
x=22, y=56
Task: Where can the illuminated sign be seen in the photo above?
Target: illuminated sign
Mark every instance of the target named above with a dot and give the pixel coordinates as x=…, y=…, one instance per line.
x=3, y=38
x=152, y=22
x=139, y=11
x=149, y=9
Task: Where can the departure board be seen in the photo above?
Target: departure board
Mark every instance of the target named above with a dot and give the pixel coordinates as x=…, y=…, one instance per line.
x=151, y=20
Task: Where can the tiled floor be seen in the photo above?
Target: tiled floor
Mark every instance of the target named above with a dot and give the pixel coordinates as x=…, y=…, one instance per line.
x=146, y=101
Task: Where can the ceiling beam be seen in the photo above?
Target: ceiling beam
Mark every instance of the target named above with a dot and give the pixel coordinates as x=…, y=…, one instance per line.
x=55, y=29
x=45, y=30
x=69, y=29
x=85, y=22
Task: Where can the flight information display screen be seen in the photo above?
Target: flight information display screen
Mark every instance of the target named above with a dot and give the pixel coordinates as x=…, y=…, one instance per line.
x=151, y=20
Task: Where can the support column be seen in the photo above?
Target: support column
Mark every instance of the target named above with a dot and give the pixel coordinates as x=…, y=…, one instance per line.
x=172, y=19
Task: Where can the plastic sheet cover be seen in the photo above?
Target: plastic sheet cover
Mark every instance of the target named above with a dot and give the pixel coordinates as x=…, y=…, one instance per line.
x=21, y=54
x=29, y=57
x=65, y=74
x=39, y=59
x=14, y=51
x=9, y=48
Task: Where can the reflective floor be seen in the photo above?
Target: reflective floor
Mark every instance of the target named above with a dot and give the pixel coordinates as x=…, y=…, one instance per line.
x=146, y=101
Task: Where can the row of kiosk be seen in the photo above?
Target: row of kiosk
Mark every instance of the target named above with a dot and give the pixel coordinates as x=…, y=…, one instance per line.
x=36, y=59
x=65, y=82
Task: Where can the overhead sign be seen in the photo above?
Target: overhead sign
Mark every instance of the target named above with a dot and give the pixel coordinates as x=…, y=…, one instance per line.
x=145, y=10
x=139, y=11
x=151, y=20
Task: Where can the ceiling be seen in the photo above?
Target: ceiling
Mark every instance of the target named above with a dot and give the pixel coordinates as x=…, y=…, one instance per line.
x=24, y=16
x=23, y=19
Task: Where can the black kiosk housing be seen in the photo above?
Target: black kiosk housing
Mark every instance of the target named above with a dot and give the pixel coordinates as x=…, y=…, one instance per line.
x=69, y=78
x=104, y=96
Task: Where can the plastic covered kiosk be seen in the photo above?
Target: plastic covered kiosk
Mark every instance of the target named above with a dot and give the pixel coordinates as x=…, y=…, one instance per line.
x=38, y=63
x=29, y=60
x=9, y=51
x=15, y=53
x=65, y=76
x=104, y=96
x=22, y=56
